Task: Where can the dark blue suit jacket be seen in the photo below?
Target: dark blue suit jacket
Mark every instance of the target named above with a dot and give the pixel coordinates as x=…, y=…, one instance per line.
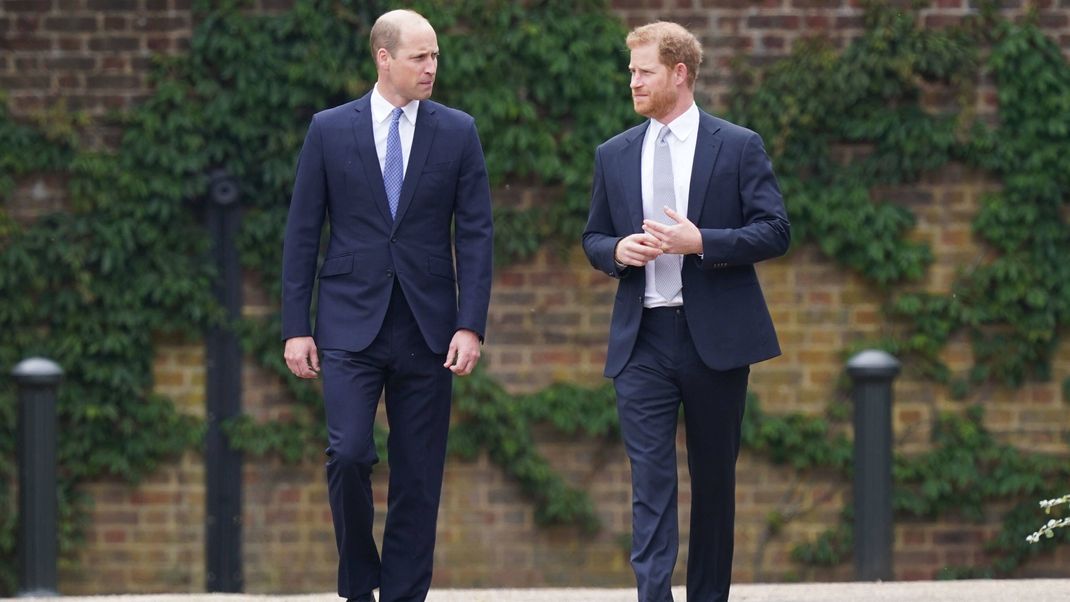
x=444, y=212
x=736, y=204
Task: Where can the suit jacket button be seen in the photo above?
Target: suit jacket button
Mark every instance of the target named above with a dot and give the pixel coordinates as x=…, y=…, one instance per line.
x=390, y=273
x=393, y=239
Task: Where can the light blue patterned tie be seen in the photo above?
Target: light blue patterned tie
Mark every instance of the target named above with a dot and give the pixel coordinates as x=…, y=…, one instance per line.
x=666, y=267
x=393, y=166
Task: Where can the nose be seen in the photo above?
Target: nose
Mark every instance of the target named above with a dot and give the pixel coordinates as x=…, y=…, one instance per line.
x=635, y=81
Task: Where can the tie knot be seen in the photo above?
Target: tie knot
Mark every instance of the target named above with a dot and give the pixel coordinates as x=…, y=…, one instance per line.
x=395, y=115
x=663, y=136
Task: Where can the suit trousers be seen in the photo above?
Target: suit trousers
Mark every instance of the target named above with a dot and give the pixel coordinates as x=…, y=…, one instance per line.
x=418, y=394
x=663, y=372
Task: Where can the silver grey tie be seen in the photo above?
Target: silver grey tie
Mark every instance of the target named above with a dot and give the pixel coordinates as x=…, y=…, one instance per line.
x=666, y=267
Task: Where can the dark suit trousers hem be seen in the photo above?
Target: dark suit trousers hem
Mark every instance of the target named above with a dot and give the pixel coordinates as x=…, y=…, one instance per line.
x=663, y=372
x=417, y=401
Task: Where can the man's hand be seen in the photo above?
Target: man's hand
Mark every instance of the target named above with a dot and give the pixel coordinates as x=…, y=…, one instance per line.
x=302, y=357
x=463, y=354
x=682, y=238
x=637, y=249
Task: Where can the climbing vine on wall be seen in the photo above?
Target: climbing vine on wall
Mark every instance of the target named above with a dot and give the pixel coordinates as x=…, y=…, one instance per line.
x=840, y=124
x=93, y=285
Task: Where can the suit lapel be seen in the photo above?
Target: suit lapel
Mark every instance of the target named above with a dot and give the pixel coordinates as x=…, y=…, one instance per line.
x=368, y=157
x=426, y=122
x=707, y=146
x=631, y=168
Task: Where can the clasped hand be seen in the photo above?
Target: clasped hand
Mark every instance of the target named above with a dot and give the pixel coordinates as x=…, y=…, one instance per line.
x=681, y=238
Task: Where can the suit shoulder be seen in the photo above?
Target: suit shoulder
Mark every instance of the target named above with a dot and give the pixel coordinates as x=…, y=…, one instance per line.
x=334, y=114
x=449, y=115
x=623, y=139
x=340, y=110
x=731, y=130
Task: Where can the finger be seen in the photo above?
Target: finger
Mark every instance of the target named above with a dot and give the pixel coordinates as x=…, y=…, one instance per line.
x=472, y=364
x=465, y=367
x=649, y=240
x=458, y=367
x=314, y=359
x=451, y=355
x=660, y=241
x=292, y=366
x=644, y=255
x=674, y=215
x=654, y=228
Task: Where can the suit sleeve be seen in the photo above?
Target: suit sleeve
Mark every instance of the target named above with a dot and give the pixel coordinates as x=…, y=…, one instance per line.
x=765, y=232
x=302, y=239
x=473, y=238
x=600, y=238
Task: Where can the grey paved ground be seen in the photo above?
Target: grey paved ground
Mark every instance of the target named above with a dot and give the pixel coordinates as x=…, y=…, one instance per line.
x=1026, y=590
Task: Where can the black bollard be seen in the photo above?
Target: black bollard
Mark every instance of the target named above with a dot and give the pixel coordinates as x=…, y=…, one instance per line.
x=872, y=372
x=37, y=379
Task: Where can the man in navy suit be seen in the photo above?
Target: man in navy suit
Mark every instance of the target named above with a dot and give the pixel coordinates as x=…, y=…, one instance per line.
x=402, y=302
x=682, y=207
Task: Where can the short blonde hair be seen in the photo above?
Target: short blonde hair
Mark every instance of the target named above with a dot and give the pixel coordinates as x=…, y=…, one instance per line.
x=675, y=45
x=386, y=32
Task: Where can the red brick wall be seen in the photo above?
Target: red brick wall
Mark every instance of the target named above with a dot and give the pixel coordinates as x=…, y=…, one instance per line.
x=548, y=322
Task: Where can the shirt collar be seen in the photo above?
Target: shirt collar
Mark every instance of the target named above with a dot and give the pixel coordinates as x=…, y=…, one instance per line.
x=681, y=127
x=381, y=108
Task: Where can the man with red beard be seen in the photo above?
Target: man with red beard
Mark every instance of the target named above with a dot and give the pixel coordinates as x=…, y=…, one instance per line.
x=682, y=207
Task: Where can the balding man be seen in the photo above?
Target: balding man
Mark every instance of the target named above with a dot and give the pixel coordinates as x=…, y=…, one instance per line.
x=402, y=302
x=683, y=206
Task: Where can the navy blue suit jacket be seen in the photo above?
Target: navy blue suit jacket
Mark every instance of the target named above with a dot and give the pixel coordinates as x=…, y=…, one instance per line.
x=736, y=204
x=444, y=213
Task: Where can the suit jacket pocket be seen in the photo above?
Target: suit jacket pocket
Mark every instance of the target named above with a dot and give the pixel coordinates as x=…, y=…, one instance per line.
x=440, y=266
x=336, y=266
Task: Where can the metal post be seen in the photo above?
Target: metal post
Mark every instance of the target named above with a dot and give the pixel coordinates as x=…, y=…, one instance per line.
x=223, y=464
x=873, y=372
x=38, y=544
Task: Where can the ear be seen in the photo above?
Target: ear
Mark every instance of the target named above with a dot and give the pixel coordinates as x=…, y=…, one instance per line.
x=381, y=57
x=679, y=74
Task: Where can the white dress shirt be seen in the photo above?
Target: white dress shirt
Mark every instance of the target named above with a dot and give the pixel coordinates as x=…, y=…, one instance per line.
x=681, y=141
x=381, y=109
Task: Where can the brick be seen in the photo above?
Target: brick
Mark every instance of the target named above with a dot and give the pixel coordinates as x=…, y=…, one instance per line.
x=71, y=24
x=113, y=63
x=73, y=63
x=112, y=5
x=116, y=23
x=1053, y=21
x=27, y=24
x=767, y=21
x=27, y=6
x=117, y=44
x=159, y=44
x=162, y=24
x=24, y=82
x=27, y=43
x=70, y=43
